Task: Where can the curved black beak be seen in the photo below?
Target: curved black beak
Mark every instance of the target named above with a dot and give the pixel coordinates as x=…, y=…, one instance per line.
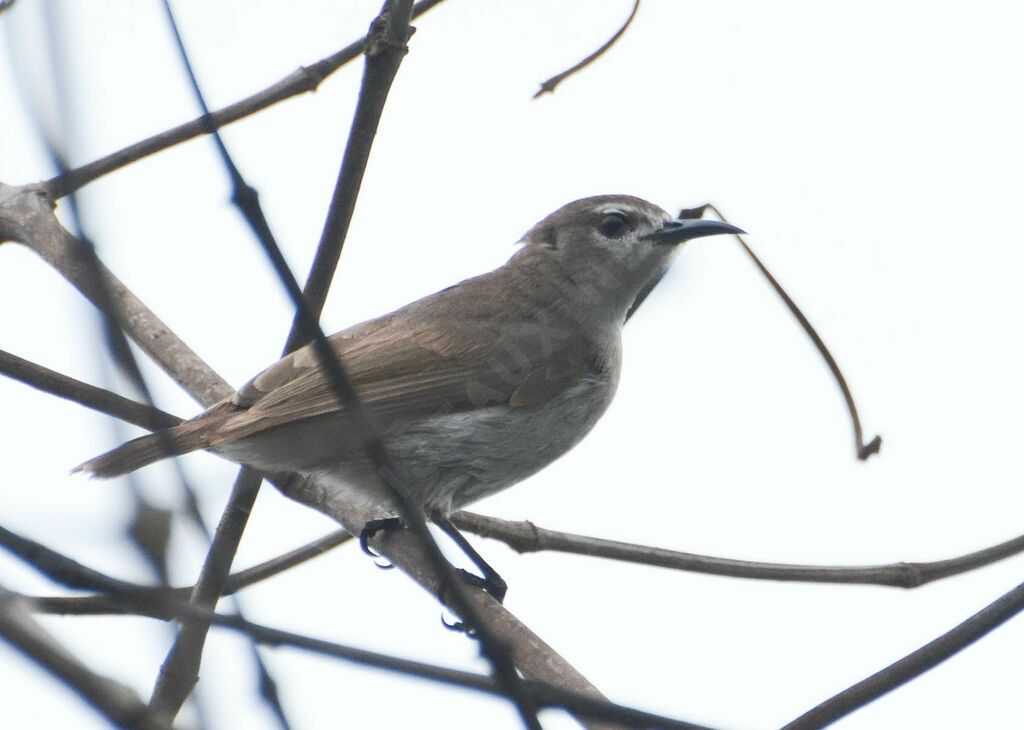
x=674, y=232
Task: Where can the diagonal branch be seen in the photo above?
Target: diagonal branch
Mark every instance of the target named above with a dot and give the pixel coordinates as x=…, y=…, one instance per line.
x=304, y=80
x=914, y=664
x=119, y=704
x=99, y=399
x=26, y=216
x=385, y=47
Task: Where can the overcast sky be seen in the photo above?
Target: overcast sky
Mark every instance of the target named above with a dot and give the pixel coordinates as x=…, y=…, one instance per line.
x=873, y=151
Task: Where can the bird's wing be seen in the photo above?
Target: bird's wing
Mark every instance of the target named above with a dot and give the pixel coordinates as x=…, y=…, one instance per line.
x=407, y=368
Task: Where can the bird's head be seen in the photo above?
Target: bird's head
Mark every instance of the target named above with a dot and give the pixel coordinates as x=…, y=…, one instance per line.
x=615, y=248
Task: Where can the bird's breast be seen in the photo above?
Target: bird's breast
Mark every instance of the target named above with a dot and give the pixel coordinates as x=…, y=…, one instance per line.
x=454, y=459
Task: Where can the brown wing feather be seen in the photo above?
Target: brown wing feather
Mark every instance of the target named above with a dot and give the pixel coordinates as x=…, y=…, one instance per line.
x=425, y=358
x=413, y=367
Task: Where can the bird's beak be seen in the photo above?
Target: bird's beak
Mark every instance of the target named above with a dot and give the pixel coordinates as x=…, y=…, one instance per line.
x=674, y=232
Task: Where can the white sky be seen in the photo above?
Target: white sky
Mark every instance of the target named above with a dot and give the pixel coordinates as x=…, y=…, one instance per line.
x=874, y=153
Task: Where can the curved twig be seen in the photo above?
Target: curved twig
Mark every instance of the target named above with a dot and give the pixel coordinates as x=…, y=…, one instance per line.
x=864, y=450
x=548, y=86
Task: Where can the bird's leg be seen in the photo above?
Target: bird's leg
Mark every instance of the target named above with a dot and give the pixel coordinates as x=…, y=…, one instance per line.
x=370, y=530
x=491, y=581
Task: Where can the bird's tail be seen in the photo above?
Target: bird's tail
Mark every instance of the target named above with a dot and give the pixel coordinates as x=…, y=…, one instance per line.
x=140, y=452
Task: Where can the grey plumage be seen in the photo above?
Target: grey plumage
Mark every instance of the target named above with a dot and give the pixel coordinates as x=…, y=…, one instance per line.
x=473, y=388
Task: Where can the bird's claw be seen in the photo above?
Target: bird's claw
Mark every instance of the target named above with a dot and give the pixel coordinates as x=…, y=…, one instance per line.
x=370, y=530
x=460, y=626
x=493, y=584
x=495, y=588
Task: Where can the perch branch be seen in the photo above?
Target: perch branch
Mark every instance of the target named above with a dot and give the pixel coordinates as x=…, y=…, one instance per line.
x=144, y=600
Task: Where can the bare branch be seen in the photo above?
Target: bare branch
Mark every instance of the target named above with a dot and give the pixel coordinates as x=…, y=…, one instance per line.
x=534, y=658
x=26, y=216
x=525, y=537
x=914, y=664
x=119, y=704
x=180, y=670
x=99, y=399
x=549, y=85
x=304, y=80
x=143, y=600
x=386, y=45
x=104, y=604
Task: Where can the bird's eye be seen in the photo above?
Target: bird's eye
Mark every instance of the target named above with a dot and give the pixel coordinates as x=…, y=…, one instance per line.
x=613, y=224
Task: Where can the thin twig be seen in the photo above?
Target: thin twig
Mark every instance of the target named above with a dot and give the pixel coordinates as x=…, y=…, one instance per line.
x=526, y=537
x=304, y=80
x=104, y=604
x=180, y=670
x=98, y=399
x=384, y=52
x=914, y=664
x=863, y=450
x=549, y=85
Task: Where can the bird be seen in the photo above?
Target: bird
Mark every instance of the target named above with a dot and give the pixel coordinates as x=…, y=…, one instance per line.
x=471, y=389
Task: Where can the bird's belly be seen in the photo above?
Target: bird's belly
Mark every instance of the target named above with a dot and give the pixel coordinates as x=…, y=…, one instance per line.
x=450, y=460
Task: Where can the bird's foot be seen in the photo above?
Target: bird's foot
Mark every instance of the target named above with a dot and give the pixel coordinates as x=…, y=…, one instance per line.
x=370, y=530
x=459, y=626
x=492, y=583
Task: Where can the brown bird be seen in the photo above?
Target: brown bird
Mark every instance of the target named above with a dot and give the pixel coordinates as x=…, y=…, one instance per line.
x=471, y=389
